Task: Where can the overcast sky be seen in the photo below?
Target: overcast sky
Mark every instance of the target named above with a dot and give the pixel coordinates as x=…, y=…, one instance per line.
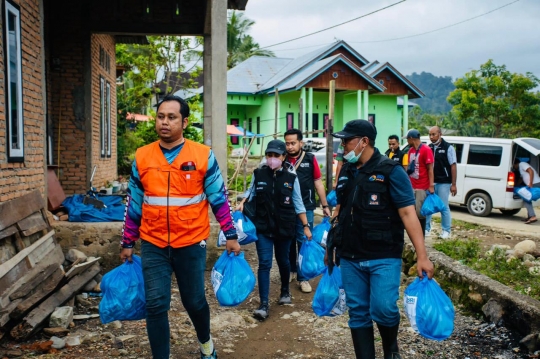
x=509, y=36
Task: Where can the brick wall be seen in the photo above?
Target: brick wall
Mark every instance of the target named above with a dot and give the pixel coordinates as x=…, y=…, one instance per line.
x=17, y=179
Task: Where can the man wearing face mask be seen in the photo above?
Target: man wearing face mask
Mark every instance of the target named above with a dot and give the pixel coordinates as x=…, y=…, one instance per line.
x=276, y=191
x=375, y=204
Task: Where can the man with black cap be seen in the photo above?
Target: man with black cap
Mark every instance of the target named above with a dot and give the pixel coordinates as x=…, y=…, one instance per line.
x=375, y=205
x=420, y=171
x=276, y=191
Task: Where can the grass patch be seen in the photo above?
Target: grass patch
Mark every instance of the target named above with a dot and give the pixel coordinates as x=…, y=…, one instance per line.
x=512, y=274
x=465, y=225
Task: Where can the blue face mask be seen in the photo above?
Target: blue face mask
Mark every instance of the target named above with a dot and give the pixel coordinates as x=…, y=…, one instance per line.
x=351, y=157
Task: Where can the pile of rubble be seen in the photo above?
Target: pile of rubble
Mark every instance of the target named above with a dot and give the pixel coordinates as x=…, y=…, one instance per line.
x=524, y=251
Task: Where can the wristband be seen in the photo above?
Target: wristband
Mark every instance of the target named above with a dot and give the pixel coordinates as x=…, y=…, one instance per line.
x=305, y=225
x=325, y=206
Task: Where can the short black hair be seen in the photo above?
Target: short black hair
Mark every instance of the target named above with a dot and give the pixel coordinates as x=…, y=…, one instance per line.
x=184, y=107
x=393, y=137
x=294, y=131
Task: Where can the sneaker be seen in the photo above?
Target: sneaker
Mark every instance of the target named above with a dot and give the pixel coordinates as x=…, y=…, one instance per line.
x=292, y=276
x=427, y=233
x=304, y=286
x=444, y=235
x=211, y=356
x=284, y=298
x=263, y=312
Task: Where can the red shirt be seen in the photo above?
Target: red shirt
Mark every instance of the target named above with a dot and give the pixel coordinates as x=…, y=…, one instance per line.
x=316, y=168
x=419, y=178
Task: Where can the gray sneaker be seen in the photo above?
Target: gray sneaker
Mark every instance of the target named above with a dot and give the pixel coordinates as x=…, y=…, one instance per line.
x=284, y=298
x=263, y=312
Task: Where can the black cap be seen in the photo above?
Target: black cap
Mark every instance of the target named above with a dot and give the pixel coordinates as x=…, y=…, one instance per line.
x=412, y=134
x=276, y=146
x=357, y=128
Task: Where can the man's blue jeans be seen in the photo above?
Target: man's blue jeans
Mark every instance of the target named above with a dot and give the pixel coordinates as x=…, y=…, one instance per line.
x=188, y=265
x=293, y=255
x=265, y=252
x=443, y=191
x=372, y=290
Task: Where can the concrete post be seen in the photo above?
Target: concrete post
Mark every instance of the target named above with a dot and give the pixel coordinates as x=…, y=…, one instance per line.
x=359, y=104
x=365, y=104
x=303, y=113
x=215, y=81
x=405, y=115
x=310, y=111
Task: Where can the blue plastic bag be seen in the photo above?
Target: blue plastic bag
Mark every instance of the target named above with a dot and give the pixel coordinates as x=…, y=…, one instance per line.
x=320, y=231
x=329, y=298
x=247, y=233
x=123, y=293
x=311, y=259
x=430, y=311
x=528, y=194
x=433, y=204
x=331, y=198
x=232, y=279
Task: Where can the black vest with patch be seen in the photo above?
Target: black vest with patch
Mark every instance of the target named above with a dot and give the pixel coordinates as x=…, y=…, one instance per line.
x=275, y=214
x=442, y=170
x=372, y=227
x=304, y=171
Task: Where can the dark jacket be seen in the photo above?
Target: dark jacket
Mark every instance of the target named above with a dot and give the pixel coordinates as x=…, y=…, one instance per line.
x=398, y=156
x=372, y=227
x=442, y=170
x=275, y=214
x=304, y=171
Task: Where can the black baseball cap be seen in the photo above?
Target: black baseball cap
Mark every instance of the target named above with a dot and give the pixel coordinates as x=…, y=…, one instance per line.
x=357, y=128
x=412, y=134
x=276, y=146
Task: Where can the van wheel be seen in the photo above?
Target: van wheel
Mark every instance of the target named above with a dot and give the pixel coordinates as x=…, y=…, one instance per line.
x=479, y=204
x=510, y=212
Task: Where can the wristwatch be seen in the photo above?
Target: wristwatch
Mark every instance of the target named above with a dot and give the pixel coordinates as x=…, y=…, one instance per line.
x=305, y=225
x=326, y=206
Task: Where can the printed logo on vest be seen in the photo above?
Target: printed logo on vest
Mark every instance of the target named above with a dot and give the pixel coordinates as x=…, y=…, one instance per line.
x=287, y=185
x=261, y=183
x=374, y=199
x=287, y=200
x=377, y=178
x=304, y=164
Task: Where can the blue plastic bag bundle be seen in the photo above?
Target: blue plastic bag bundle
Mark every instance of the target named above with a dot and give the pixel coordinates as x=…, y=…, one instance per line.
x=329, y=298
x=320, y=231
x=232, y=279
x=247, y=233
x=331, y=198
x=433, y=204
x=528, y=194
x=430, y=311
x=311, y=259
x=123, y=293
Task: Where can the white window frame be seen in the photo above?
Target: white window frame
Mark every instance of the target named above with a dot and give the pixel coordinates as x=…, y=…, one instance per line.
x=13, y=154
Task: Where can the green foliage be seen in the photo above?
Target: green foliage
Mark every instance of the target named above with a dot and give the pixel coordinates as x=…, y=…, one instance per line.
x=511, y=273
x=494, y=102
x=436, y=88
x=240, y=45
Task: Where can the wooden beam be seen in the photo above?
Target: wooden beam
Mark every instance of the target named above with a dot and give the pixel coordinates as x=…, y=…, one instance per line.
x=78, y=268
x=9, y=231
x=37, y=317
x=32, y=224
x=12, y=211
x=329, y=138
x=35, y=281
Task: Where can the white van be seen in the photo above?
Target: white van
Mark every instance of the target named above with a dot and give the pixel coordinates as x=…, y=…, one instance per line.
x=485, y=177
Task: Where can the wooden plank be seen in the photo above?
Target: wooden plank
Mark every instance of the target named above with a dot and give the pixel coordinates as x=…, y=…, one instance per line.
x=4, y=314
x=32, y=224
x=39, y=294
x=13, y=211
x=79, y=268
x=6, y=267
x=54, y=256
x=9, y=231
x=34, y=282
x=37, y=317
x=19, y=244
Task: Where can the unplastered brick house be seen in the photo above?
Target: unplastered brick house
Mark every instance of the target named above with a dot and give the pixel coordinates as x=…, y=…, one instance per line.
x=58, y=83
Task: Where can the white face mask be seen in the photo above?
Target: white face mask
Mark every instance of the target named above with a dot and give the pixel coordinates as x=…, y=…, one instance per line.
x=351, y=157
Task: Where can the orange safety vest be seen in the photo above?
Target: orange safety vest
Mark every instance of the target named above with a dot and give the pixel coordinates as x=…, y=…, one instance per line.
x=175, y=208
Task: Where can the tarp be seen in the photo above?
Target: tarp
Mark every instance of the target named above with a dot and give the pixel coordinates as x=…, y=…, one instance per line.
x=80, y=212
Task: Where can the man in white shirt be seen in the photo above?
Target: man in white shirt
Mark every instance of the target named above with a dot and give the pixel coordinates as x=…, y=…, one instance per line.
x=530, y=179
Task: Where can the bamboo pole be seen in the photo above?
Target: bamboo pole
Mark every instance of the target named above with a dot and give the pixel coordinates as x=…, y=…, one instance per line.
x=329, y=138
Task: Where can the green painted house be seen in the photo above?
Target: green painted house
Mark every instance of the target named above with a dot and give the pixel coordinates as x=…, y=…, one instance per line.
x=366, y=90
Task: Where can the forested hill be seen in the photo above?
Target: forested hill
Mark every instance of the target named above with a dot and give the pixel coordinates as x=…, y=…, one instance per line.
x=436, y=88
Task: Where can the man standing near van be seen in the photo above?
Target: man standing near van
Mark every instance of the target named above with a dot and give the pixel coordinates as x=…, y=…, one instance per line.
x=530, y=179
x=420, y=171
x=445, y=172
x=309, y=176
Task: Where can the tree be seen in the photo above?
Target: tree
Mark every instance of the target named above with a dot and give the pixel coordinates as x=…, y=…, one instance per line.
x=240, y=45
x=494, y=102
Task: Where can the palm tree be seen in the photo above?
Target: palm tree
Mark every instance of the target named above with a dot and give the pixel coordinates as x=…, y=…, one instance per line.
x=241, y=46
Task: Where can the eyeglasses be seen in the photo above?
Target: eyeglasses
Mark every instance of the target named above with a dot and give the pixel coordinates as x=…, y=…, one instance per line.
x=346, y=141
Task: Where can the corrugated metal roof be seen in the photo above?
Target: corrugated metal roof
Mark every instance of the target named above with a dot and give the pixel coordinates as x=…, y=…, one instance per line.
x=248, y=76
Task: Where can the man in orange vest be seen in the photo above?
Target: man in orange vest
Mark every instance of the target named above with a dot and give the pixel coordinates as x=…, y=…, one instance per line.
x=173, y=181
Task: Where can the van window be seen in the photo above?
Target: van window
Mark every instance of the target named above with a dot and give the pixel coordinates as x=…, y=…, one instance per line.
x=485, y=155
x=459, y=151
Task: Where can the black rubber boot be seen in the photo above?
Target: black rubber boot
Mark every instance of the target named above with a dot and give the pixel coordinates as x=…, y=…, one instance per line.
x=364, y=342
x=389, y=341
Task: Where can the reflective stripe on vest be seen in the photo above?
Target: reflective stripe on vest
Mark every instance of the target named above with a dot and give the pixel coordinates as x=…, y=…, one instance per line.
x=174, y=201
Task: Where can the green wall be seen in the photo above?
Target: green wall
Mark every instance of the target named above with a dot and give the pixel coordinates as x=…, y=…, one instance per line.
x=386, y=121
